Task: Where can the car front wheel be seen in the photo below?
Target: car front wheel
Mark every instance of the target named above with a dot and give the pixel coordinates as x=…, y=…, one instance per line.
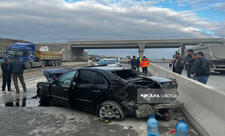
x=110, y=110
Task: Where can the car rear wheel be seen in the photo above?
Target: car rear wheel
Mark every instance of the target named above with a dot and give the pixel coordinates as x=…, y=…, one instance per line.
x=111, y=110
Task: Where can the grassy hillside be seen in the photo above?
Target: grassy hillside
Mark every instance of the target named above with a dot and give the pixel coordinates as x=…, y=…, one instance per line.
x=5, y=43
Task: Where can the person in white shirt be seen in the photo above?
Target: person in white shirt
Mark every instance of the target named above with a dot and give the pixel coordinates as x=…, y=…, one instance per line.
x=90, y=62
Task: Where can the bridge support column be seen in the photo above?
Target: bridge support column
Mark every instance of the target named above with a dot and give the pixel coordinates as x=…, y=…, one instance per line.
x=141, y=49
x=74, y=54
x=182, y=49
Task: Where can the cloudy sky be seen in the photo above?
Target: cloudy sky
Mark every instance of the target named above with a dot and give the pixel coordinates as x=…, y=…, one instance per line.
x=65, y=20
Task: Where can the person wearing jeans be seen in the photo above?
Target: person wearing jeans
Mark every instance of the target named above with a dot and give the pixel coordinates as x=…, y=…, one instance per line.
x=202, y=68
x=203, y=79
x=17, y=68
x=6, y=75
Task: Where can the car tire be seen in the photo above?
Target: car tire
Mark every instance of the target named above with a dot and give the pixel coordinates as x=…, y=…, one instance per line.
x=111, y=110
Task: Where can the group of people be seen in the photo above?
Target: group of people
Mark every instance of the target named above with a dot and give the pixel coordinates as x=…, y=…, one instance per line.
x=198, y=68
x=137, y=63
x=14, y=69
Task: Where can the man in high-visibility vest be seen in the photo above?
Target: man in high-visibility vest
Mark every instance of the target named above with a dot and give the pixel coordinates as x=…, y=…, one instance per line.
x=144, y=64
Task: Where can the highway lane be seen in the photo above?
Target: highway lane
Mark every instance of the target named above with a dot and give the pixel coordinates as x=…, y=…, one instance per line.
x=216, y=80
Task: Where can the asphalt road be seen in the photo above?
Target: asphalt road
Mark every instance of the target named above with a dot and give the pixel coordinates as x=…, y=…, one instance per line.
x=216, y=80
x=20, y=115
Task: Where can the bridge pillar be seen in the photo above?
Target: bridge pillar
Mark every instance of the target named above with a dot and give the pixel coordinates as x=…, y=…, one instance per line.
x=75, y=54
x=141, y=48
x=182, y=49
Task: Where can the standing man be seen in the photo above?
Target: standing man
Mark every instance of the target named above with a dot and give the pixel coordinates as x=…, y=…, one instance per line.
x=172, y=63
x=6, y=75
x=179, y=64
x=193, y=66
x=17, y=67
x=138, y=64
x=144, y=64
x=134, y=63
x=202, y=68
x=188, y=62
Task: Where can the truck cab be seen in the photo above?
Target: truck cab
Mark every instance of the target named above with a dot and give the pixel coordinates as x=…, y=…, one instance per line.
x=26, y=52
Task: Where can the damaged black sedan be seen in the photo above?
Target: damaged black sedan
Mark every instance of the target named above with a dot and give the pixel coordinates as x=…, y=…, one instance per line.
x=109, y=92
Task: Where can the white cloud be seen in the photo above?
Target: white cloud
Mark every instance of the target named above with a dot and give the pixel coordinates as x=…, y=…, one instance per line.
x=57, y=20
x=220, y=6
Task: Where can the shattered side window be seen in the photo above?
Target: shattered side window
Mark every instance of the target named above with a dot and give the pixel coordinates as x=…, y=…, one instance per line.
x=112, y=77
x=125, y=74
x=66, y=78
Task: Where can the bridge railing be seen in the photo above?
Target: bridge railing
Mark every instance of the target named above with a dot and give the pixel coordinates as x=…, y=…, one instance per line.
x=203, y=105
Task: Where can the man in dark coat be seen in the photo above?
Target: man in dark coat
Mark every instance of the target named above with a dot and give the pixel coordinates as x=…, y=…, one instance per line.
x=138, y=64
x=189, y=61
x=134, y=63
x=6, y=75
x=17, y=67
x=179, y=64
x=201, y=68
x=194, y=66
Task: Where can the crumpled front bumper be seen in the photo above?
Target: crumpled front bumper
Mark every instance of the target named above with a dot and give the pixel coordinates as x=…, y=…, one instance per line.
x=144, y=110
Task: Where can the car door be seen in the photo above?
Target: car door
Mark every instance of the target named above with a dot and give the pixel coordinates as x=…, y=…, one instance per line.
x=60, y=89
x=91, y=85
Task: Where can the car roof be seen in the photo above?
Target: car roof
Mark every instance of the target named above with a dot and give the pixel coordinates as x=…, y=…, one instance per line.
x=108, y=59
x=107, y=73
x=108, y=68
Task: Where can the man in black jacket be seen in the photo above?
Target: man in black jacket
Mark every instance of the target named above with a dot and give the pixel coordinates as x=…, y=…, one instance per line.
x=201, y=68
x=134, y=63
x=194, y=65
x=179, y=64
x=6, y=75
x=17, y=67
x=189, y=61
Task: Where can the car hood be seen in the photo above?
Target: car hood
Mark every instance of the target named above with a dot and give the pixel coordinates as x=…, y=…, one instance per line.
x=52, y=74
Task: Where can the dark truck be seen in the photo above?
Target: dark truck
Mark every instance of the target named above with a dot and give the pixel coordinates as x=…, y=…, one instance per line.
x=109, y=92
x=215, y=53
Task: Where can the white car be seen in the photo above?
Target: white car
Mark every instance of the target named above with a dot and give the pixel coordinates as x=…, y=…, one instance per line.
x=109, y=62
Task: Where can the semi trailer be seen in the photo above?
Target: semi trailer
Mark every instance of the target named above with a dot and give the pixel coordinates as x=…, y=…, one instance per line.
x=34, y=58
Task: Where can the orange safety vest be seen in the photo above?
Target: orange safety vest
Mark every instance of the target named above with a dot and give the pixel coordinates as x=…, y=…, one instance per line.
x=144, y=62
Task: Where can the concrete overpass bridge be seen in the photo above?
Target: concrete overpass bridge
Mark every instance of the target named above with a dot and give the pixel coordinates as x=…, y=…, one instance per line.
x=74, y=50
